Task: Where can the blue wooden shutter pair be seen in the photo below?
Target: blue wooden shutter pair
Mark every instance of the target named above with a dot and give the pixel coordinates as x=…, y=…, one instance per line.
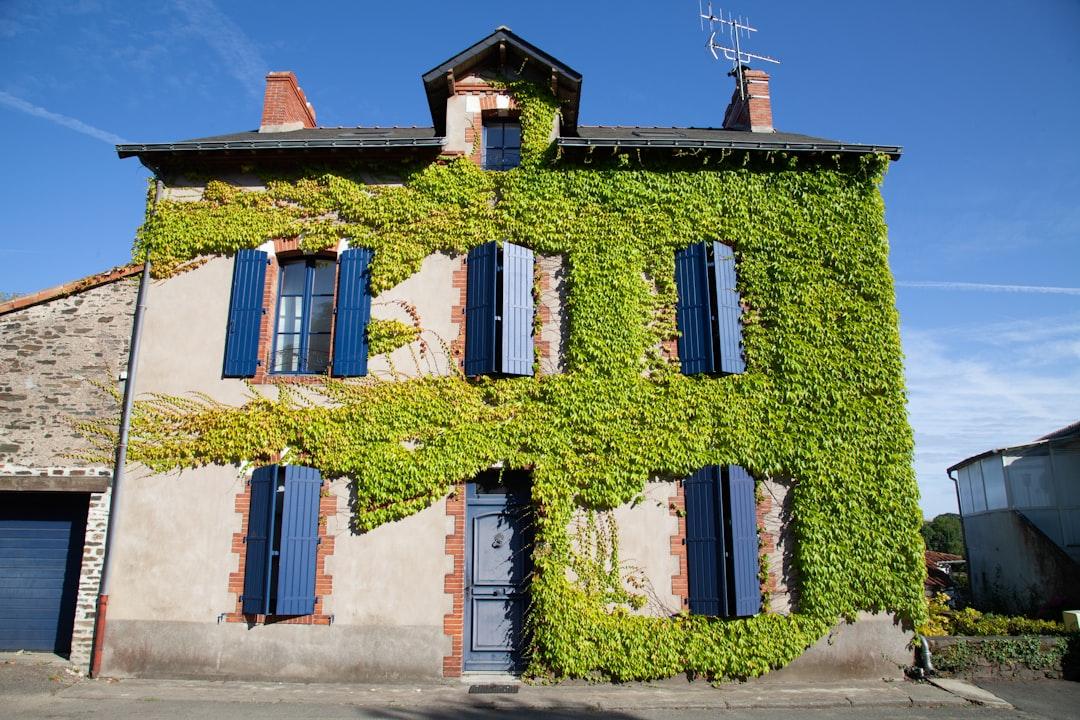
x=499, y=310
x=722, y=542
x=245, y=314
x=298, y=508
x=708, y=312
x=246, y=311
x=353, y=312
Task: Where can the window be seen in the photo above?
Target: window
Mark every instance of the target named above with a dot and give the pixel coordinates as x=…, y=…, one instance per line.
x=305, y=306
x=708, y=312
x=316, y=325
x=499, y=310
x=722, y=542
x=502, y=145
x=283, y=532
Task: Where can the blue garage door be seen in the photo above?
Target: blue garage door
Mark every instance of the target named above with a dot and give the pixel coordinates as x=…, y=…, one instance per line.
x=41, y=544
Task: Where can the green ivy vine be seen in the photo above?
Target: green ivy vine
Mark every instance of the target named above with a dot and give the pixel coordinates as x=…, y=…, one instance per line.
x=822, y=401
x=386, y=336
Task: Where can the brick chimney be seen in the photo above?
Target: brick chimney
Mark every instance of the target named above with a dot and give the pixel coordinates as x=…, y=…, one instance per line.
x=285, y=107
x=753, y=110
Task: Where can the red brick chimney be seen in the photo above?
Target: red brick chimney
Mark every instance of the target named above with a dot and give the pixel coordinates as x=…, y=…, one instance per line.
x=285, y=107
x=751, y=110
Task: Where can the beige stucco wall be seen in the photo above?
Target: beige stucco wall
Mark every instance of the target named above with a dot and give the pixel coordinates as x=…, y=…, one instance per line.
x=645, y=559
x=431, y=294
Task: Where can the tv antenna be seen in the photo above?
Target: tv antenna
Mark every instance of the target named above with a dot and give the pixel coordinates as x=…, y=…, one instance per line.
x=736, y=28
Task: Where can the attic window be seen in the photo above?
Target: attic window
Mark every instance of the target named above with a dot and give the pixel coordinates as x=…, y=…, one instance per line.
x=658, y=133
x=502, y=145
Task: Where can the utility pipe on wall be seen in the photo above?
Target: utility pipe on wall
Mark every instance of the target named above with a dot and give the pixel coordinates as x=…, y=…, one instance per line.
x=121, y=457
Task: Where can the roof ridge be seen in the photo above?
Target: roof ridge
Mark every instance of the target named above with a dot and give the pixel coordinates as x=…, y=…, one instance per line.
x=70, y=288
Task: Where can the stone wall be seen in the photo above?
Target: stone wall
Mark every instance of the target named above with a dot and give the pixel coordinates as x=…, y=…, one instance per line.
x=53, y=354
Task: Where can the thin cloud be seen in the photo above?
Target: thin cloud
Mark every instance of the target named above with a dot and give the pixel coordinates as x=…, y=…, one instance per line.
x=966, y=396
x=71, y=123
x=987, y=287
x=238, y=53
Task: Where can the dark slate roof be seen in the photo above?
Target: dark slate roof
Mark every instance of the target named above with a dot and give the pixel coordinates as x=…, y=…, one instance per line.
x=712, y=138
x=306, y=139
x=504, y=47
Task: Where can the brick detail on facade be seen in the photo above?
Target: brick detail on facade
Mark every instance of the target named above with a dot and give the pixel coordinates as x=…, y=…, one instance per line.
x=285, y=107
x=680, y=582
x=767, y=545
x=328, y=507
x=459, y=282
x=454, y=583
x=491, y=102
x=551, y=310
x=82, y=636
x=751, y=110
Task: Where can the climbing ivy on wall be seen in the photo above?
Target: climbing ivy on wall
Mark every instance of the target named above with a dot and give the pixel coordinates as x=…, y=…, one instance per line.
x=822, y=401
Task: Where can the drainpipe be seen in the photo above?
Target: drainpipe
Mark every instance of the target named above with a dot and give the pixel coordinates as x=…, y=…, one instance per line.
x=121, y=458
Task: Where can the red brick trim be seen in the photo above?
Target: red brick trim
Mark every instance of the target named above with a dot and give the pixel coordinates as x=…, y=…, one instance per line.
x=543, y=349
x=75, y=286
x=766, y=544
x=454, y=583
x=680, y=582
x=459, y=281
x=324, y=585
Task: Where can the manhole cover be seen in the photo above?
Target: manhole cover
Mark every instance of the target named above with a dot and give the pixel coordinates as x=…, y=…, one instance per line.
x=492, y=688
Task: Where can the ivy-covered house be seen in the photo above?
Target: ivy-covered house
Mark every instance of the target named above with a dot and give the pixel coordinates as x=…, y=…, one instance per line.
x=513, y=393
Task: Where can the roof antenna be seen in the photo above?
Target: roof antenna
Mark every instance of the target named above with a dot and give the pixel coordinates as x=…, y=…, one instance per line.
x=733, y=51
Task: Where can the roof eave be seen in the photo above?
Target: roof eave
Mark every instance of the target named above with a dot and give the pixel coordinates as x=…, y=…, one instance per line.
x=130, y=149
x=893, y=151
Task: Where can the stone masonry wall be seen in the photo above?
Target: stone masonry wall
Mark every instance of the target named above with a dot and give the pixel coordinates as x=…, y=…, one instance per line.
x=52, y=353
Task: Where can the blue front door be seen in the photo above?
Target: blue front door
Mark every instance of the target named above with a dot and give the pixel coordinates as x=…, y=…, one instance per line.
x=498, y=560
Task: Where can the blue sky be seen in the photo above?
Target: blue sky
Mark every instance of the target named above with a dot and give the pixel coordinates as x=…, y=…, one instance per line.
x=984, y=96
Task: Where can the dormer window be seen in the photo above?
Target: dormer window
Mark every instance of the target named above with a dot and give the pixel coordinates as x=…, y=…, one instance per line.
x=502, y=144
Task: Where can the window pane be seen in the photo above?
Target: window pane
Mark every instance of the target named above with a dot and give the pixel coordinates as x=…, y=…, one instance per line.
x=493, y=135
x=994, y=482
x=511, y=135
x=963, y=485
x=322, y=308
x=318, y=353
x=978, y=497
x=294, y=275
x=287, y=354
x=1029, y=480
x=323, y=283
x=290, y=314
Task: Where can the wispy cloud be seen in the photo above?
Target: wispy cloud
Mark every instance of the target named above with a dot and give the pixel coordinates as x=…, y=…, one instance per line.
x=968, y=393
x=987, y=287
x=17, y=103
x=238, y=53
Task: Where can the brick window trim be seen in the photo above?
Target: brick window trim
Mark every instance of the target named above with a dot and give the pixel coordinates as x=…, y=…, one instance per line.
x=328, y=506
x=285, y=249
x=454, y=583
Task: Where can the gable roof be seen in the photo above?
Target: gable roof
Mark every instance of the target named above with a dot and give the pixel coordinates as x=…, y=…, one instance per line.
x=505, y=49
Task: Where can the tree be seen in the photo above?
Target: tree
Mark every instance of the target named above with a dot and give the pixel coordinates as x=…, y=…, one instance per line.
x=944, y=534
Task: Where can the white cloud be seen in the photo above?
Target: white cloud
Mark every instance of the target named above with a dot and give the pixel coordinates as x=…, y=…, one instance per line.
x=71, y=123
x=973, y=390
x=239, y=55
x=987, y=287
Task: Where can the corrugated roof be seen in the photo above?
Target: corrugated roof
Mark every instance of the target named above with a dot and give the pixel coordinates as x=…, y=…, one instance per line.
x=712, y=138
x=1069, y=432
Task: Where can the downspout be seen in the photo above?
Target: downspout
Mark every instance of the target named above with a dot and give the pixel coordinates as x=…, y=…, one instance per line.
x=121, y=457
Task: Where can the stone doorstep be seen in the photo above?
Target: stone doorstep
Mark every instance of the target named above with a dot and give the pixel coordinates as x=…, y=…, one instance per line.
x=634, y=696
x=970, y=692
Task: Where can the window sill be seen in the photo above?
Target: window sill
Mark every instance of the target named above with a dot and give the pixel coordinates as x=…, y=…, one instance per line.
x=278, y=619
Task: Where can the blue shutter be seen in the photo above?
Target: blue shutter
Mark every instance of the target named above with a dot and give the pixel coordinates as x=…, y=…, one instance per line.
x=693, y=313
x=353, y=312
x=299, y=538
x=260, y=526
x=705, y=543
x=245, y=314
x=482, y=267
x=728, y=310
x=742, y=506
x=517, y=310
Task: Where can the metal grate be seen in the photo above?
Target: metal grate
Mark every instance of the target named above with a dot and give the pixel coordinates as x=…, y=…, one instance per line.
x=493, y=689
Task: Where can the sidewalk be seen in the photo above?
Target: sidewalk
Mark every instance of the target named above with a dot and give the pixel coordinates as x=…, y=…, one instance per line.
x=476, y=692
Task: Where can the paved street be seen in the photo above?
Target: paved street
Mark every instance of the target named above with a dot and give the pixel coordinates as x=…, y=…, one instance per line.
x=41, y=686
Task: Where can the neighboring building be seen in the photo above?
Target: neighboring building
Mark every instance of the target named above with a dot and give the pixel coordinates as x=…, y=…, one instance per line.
x=64, y=350
x=940, y=572
x=257, y=570
x=1020, y=507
